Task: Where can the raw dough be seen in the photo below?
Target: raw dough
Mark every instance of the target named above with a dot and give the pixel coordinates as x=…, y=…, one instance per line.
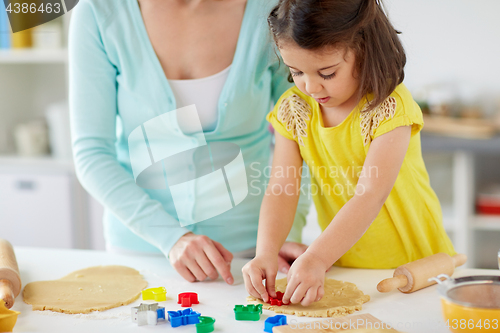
x=341, y=298
x=90, y=289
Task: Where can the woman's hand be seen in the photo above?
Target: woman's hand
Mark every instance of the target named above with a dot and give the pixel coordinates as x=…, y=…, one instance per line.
x=259, y=269
x=305, y=280
x=196, y=257
x=289, y=252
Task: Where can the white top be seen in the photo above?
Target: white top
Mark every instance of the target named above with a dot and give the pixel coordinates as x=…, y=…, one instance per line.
x=204, y=93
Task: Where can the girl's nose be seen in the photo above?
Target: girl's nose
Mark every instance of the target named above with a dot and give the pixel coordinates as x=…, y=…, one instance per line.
x=313, y=87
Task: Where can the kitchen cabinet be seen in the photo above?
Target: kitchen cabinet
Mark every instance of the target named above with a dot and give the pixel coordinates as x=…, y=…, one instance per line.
x=35, y=209
x=41, y=204
x=469, y=163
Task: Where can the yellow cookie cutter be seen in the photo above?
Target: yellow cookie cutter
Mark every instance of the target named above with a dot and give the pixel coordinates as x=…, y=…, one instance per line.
x=156, y=294
x=8, y=318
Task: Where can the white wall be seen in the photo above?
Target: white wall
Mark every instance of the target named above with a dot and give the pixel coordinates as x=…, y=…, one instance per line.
x=452, y=42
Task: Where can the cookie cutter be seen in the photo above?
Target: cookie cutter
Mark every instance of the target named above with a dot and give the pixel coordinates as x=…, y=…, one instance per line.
x=271, y=322
x=248, y=312
x=206, y=325
x=278, y=300
x=155, y=294
x=188, y=299
x=183, y=317
x=147, y=314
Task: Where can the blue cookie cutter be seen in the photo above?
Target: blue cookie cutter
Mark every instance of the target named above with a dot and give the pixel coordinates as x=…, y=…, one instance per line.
x=183, y=317
x=271, y=322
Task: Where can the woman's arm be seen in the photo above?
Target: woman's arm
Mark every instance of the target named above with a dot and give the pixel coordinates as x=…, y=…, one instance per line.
x=385, y=156
x=276, y=217
x=93, y=105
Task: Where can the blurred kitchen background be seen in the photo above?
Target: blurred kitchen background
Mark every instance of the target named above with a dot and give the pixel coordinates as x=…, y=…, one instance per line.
x=453, y=71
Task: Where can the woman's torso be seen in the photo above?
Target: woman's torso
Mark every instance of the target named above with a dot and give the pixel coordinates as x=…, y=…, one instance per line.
x=187, y=37
x=143, y=93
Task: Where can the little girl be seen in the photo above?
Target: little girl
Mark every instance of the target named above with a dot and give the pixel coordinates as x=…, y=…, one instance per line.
x=357, y=127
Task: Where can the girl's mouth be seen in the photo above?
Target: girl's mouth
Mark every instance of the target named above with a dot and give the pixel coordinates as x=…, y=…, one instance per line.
x=322, y=100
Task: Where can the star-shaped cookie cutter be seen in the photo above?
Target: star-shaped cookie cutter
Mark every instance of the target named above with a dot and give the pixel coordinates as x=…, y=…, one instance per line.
x=147, y=314
x=278, y=300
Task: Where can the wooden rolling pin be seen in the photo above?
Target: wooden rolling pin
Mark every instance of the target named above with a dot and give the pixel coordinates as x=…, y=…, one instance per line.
x=414, y=275
x=10, y=280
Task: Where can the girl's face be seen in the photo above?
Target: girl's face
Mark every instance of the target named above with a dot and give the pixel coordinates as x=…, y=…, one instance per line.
x=327, y=75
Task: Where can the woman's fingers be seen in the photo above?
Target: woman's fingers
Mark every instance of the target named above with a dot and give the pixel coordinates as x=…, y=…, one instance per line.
x=221, y=258
x=221, y=265
x=197, y=257
x=226, y=254
x=207, y=266
x=184, y=272
x=196, y=270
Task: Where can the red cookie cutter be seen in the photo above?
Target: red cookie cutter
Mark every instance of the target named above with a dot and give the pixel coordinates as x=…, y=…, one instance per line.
x=278, y=300
x=186, y=299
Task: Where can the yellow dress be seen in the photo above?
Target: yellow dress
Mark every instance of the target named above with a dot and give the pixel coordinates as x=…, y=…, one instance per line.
x=409, y=225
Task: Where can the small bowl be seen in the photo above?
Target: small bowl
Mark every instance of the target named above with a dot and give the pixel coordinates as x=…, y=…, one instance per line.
x=8, y=318
x=471, y=303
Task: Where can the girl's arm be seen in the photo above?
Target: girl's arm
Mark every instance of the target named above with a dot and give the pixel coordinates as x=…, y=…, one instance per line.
x=276, y=217
x=293, y=246
x=380, y=170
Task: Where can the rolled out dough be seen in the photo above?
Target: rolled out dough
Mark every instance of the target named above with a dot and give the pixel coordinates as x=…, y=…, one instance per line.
x=90, y=289
x=341, y=298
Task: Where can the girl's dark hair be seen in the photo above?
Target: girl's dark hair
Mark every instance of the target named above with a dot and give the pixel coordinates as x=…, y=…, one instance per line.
x=360, y=25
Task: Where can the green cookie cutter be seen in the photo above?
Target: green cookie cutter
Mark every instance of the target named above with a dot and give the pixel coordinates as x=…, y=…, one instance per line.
x=206, y=325
x=248, y=312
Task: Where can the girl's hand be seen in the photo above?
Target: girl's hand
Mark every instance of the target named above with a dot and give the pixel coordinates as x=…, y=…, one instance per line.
x=261, y=268
x=305, y=280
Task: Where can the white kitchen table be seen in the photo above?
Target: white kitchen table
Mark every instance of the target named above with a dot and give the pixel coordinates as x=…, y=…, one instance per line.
x=417, y=312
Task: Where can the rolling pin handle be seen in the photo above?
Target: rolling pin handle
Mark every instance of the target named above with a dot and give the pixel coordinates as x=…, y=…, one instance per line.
x=6, y=293
x=459, y=259
x=390, y=284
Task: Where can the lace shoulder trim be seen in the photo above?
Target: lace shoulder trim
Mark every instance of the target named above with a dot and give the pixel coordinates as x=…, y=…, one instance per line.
x=370, y=120
x=294, y=112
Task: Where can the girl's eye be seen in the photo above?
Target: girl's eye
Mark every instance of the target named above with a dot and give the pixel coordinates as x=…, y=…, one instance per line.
x=295, y=73
x=327, y=77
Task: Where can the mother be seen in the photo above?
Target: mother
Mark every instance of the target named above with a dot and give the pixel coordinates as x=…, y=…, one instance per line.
x=131, y=61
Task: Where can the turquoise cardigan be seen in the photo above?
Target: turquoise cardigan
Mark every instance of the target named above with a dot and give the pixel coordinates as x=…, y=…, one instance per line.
x=117, y=84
